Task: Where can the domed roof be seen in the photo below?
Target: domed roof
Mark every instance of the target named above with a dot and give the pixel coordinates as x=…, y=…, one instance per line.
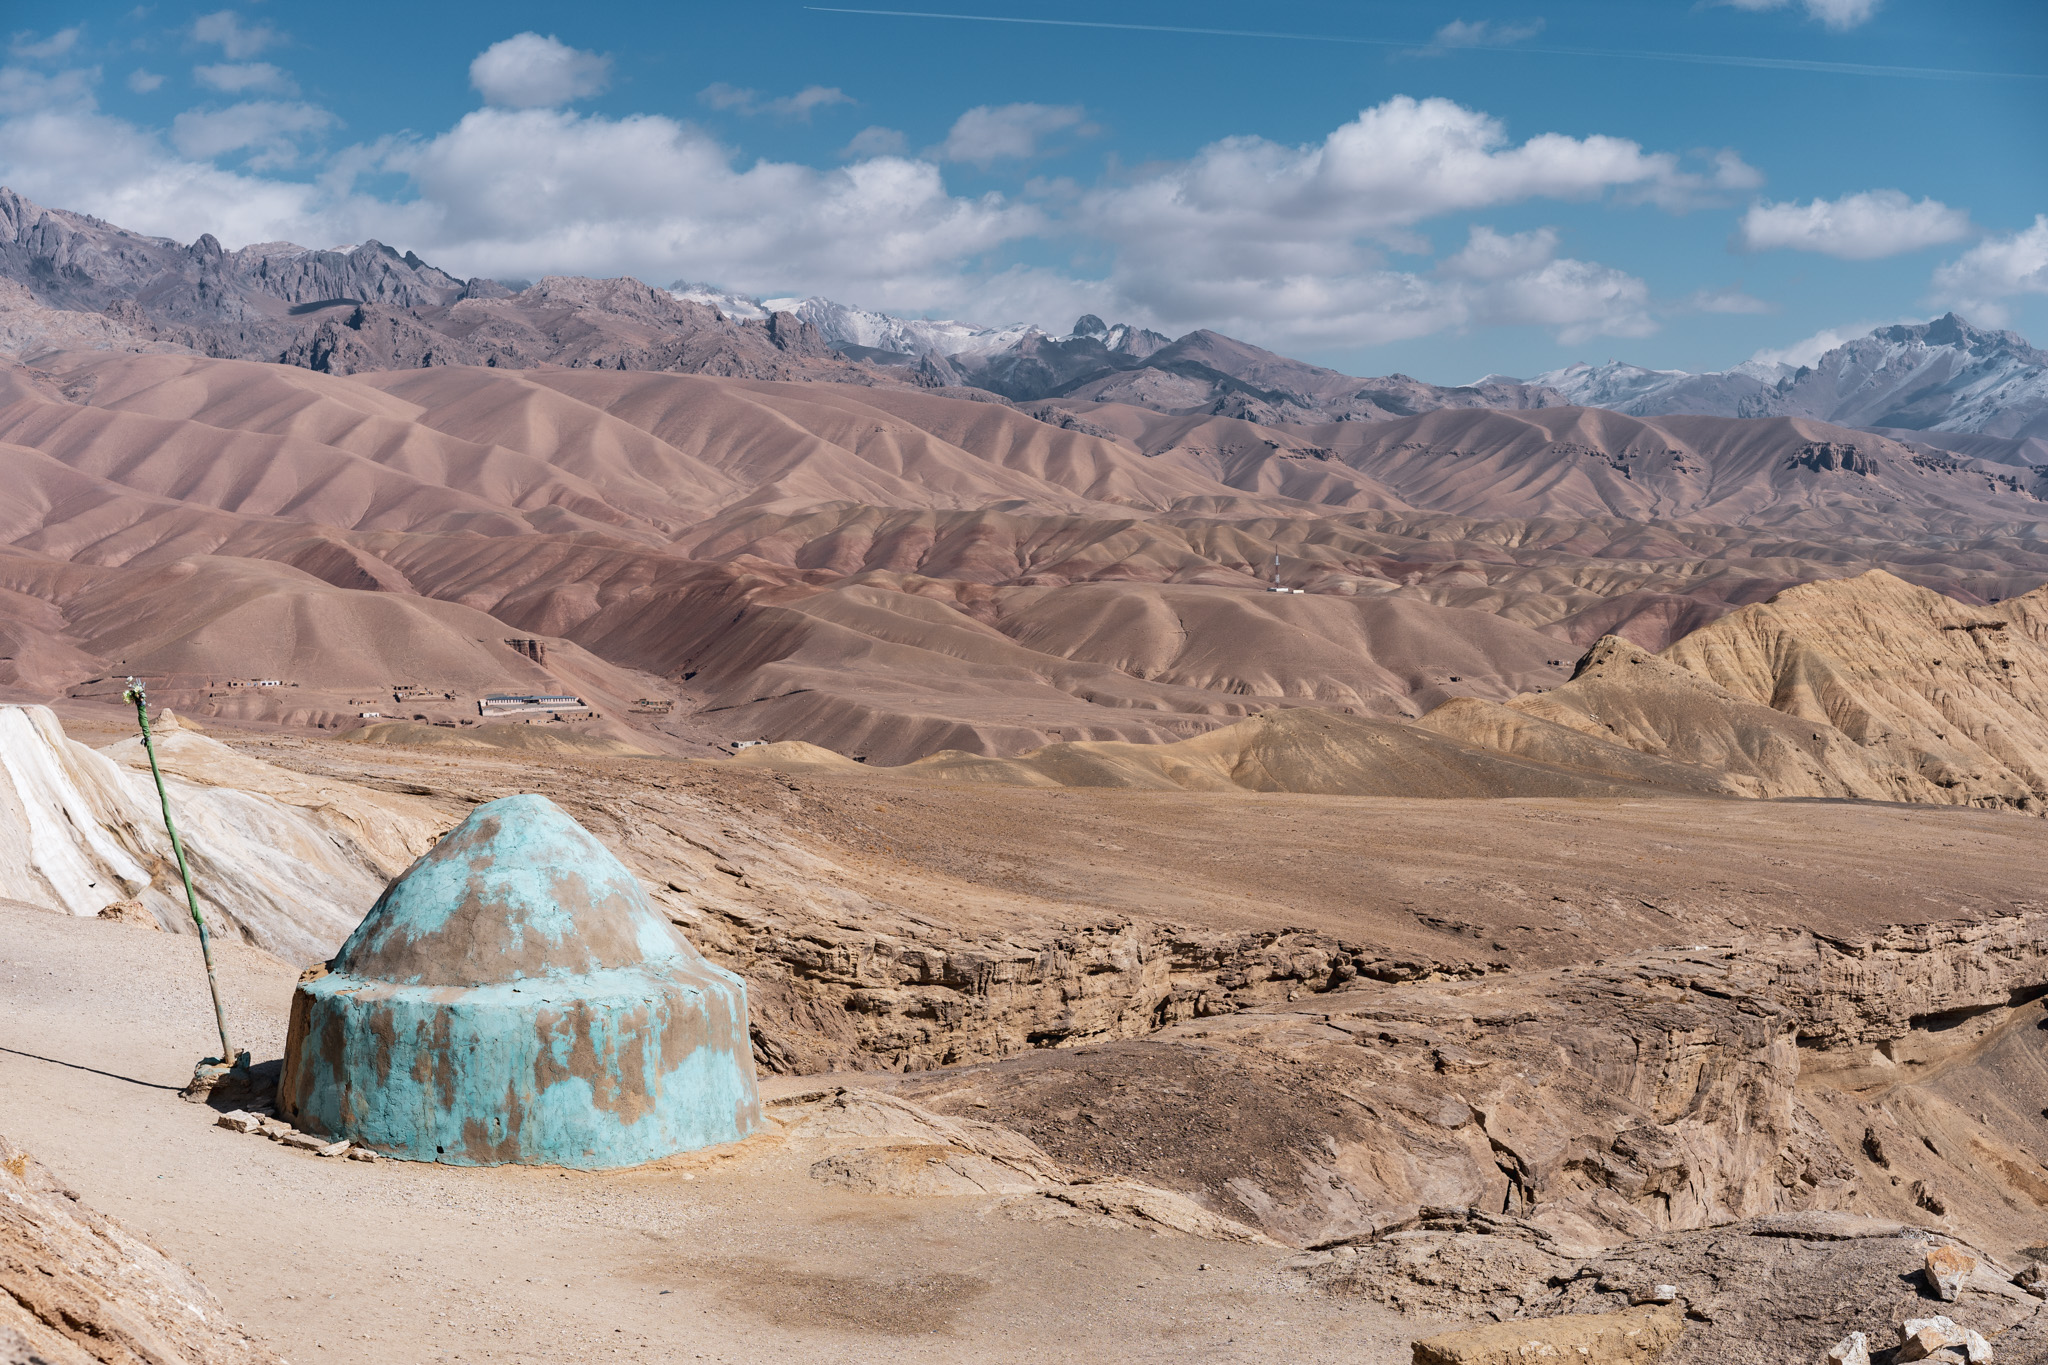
x=517, y=890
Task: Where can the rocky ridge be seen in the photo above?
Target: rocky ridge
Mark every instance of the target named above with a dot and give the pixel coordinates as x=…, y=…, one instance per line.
x=68, y=280
x=1656, y=1093
x=79, y=282
x=75, y=281
x=1206, y=373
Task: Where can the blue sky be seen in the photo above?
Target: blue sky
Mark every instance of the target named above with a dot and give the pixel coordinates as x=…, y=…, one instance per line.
x=1444, y=190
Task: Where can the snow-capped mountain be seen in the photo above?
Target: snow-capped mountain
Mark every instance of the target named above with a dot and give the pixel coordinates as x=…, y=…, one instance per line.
x=1943, y=375
x=732, y=305
x=846, y=326
x=1939, y=376
x=1648, y=393
x=857, y=331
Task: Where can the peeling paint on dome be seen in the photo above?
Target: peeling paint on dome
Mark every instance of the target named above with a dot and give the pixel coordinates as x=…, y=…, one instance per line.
x=513, y=998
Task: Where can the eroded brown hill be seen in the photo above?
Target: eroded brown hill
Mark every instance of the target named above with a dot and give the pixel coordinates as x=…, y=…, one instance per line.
x=885, y=571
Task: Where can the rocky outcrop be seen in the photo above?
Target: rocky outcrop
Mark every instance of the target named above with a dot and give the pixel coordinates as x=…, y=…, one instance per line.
x=1590, y=1106
x=1758, y=1292
x=1633, y=1337
x=852, y=984
x=875, y=1143
x=366, y=337
x=78, y=1288
x=1950, y=700
x=1821, y=456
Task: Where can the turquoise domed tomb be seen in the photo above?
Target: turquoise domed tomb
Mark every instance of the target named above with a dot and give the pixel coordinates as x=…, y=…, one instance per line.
x=514, y=998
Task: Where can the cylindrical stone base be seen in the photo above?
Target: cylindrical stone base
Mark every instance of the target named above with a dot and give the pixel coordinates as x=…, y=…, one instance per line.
x=603, y=1069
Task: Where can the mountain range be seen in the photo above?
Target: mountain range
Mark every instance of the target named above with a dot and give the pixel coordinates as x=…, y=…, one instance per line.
x=71, y=281
x=1944, y=384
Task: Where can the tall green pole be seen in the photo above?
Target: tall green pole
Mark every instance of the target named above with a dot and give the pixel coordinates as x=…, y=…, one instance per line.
x=220, y=1015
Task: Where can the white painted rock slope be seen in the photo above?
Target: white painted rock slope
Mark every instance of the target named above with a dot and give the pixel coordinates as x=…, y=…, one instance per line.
x=283, y=861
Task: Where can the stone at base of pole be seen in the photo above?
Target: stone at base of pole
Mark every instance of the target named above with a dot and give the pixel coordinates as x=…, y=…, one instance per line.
x=215, y=1077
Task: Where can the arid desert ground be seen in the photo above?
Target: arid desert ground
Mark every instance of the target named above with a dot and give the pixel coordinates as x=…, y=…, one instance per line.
x=1186, y=948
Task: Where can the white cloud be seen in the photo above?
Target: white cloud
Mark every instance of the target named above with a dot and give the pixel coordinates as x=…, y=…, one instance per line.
x=238, y=78
x=1808, y=350
x=1836, y=14
x=1681, y=191
x=271, y=131
x=224, y=28
x=142, y=82
x=1287, y=241
x=1996, y=269
x=80, y=159
x=542, y=190
x=27, y=48
x=874, y=141
x=1726, y=301
x=531, y=192
x=988, y=133
x=1581, y=299
x=1490, y=255
x=1856, y=227
x=1518, y=279
x=799, y=106
x=1480, y=33
x=23, y=91
x=527, y=71
x=1841, y=14
x=1395, y=165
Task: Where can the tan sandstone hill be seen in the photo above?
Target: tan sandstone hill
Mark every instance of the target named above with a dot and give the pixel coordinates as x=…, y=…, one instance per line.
x=1865, y=687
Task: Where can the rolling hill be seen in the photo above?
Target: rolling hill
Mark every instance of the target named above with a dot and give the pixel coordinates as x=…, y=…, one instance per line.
x=891, y=571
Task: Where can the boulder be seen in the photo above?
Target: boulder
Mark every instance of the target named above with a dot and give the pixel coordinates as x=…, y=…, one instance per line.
x=1947, y=1270
x=1922, y=1338
x=1853, y=1349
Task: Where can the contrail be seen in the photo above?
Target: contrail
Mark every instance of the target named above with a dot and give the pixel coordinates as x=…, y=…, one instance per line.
x=1693, y=58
